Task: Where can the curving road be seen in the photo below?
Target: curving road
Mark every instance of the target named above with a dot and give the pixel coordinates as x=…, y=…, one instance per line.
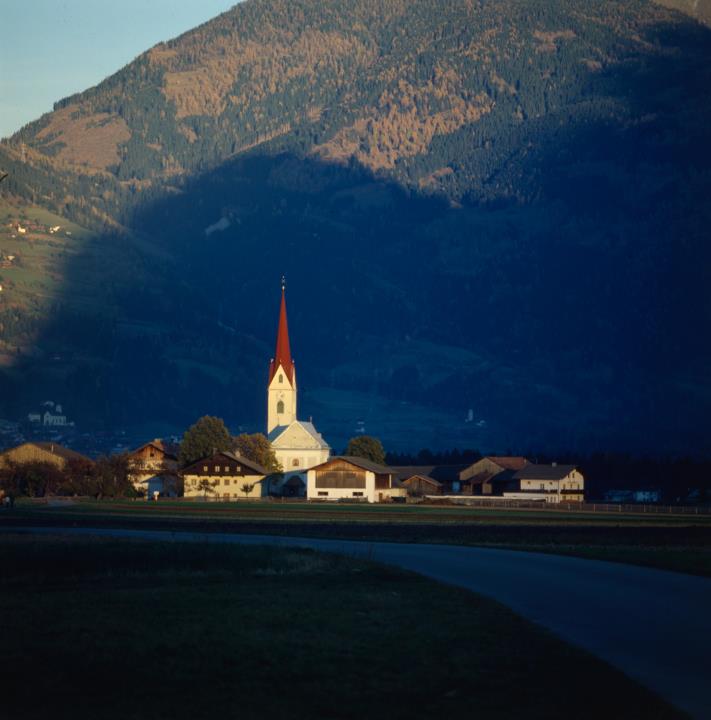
x=653, y=625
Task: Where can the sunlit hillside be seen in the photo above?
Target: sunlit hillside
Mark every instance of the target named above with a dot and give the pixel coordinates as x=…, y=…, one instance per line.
x=493, y=218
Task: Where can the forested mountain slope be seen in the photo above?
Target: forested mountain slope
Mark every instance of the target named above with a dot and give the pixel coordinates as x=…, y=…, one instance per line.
x=495, y=206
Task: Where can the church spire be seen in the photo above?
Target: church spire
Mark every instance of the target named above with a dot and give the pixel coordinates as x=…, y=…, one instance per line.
x=282, y=354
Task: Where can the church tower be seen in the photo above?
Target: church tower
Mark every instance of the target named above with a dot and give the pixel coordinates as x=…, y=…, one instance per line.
x=281, y=392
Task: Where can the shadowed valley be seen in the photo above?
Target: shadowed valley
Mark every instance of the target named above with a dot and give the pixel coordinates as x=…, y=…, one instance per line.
x=500, y=208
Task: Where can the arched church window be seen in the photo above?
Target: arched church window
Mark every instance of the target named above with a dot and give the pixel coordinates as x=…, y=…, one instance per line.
x=280, y=406
x=281, y=378
x=295, y=462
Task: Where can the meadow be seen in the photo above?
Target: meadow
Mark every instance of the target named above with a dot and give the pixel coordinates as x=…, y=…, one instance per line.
x=669, y=541
x=130, y=629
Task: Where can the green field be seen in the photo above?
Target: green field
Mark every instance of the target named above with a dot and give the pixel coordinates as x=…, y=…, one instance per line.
x=109, y=629
x=674, y=542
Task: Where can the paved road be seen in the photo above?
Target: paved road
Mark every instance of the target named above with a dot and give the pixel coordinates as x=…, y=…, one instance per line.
x=653, y=625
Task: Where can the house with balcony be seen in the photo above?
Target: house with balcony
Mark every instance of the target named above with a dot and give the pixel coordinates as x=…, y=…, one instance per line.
x=552, y=483
x=153, y=468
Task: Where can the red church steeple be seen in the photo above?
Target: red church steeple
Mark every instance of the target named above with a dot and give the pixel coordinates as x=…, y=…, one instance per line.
x=282, y=354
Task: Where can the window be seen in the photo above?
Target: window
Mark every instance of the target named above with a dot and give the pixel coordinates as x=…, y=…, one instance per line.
x=226, y=481
x=217, y=468
x=280, y=407
x=357, y=494
x=204, y=468
x=281, y=378
x=295, y=462
x=322, y=494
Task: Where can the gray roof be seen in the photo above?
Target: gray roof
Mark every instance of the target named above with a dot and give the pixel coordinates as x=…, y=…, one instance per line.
x=308, y=426
x=441, y=473
x=365, y=464
x=544, y=472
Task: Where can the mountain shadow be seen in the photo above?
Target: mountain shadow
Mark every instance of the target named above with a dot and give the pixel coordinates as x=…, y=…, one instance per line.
x=561, y=303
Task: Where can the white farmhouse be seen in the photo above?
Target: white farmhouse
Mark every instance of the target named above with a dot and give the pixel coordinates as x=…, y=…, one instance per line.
x=355, y=479
x=549, y=483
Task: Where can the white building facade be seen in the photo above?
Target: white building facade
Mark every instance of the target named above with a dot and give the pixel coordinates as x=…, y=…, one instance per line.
x=354, y=479
x=549, y=483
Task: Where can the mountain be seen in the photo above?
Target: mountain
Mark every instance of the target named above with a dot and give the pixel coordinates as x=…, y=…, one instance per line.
x=493, y=219
x=699, y=9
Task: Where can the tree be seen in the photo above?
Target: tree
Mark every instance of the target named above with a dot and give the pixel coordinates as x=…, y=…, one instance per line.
x=79, y=478
x=247, y=488
x=258, y=449
x=205, y=486
x=207, y=436
x=366, y=447
x=31, y=479
x=112, y=476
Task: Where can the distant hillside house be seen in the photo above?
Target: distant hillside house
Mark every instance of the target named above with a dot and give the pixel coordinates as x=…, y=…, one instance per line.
x=42, y=452
x=225, y=476
x=548, y=483
x=51, y=417
x=153, y=468
x=297, y=445
x=353, y=478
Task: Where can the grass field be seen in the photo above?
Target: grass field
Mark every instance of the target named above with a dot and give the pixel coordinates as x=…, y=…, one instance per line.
x=127, y=629
x=674, y=542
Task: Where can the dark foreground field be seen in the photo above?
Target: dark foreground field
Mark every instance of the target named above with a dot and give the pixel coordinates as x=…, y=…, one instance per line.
x=673, y=542
x=127, y=629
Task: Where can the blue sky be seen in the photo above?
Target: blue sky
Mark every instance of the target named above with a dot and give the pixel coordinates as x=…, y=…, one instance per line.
x=52, y=48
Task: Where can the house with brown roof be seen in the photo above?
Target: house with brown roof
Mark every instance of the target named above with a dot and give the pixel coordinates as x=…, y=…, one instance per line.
x=43, y=452
x=225, y=476
x=420, y=485
x=435, y=479
x=153, y=468
x=353, y=478
x=489, y=476
x=492, y=475
x=548, y=483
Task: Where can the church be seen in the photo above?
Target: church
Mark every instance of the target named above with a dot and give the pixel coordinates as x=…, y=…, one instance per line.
x=297, y=444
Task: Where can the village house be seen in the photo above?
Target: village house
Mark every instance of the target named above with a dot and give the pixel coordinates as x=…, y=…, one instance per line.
x=354, y=478
x=548, y=483
x=429, y=479
x=225, y=476
x=153, y=469
x=491, y=475
x=42, y=452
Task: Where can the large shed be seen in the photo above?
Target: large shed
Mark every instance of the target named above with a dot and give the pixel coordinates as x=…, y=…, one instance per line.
x=353, y=478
